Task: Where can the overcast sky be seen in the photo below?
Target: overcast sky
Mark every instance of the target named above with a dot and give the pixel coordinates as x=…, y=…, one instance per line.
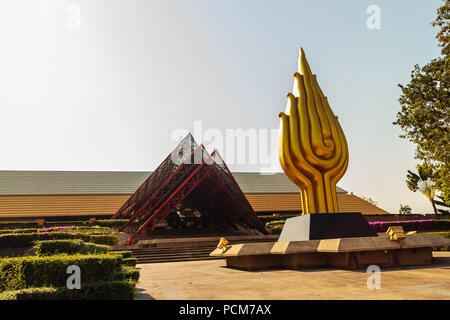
x=103, y=85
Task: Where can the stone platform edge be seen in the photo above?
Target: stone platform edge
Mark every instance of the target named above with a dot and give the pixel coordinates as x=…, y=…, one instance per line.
x=341, y=245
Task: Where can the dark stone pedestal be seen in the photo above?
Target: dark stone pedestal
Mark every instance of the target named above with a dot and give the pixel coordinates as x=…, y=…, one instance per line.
x=326, y=226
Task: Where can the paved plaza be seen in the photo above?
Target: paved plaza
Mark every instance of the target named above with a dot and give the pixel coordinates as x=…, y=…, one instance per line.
x=211, y=280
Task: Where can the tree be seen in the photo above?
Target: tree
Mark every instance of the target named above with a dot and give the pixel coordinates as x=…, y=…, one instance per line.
x=422, y=182
x=441, y=203
x=404, y=209
x=369, y=200
x=425, y=112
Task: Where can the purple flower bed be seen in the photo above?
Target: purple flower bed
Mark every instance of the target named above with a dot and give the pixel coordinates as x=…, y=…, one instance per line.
x=50, y=229
x=412, y=225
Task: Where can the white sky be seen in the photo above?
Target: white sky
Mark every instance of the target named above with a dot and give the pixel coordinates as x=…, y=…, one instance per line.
x=109, y=95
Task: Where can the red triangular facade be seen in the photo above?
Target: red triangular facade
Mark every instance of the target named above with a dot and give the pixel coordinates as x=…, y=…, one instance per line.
x=189, y=175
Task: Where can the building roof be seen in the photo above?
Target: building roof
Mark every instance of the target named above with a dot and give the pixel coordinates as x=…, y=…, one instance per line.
x=122, y=182
x=38, y=206
x=293, y=202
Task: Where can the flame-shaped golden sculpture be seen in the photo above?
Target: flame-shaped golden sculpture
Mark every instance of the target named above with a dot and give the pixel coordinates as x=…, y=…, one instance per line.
x=312, y=146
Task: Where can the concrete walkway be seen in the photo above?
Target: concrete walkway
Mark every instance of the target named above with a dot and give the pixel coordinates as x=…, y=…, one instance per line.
x=211, y=280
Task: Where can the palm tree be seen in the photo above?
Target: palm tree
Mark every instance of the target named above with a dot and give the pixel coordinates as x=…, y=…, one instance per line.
x=442, y=203
x=422, y=181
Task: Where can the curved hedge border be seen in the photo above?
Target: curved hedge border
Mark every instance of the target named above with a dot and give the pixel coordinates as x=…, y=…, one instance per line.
x=104, y=239
x=124, y=254
x=25, y=272
x=53, y=247
x=275, y=227
x=443, y=234
x=27, y=239
x=109, y=290
x=82, y=229
x=127, y=273
x=412, y=225
x=33, y=224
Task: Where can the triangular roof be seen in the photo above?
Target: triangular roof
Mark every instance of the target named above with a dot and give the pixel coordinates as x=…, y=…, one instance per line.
x=29, y=182
x=189, y=174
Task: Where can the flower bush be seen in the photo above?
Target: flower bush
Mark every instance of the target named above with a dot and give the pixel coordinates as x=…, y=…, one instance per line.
x=53, y=247
x=14, y=240
x=412, y=225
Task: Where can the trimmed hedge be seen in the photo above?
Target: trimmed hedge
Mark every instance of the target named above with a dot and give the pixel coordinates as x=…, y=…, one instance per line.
x=27, y=239
x=124, y=254
x=104, y=239
x=127, y=273
x=81, y=229
x=33, y=224
x=127, y=259
x=412, y=225
x=29, y=230
x=17, y=225
x=25, y=272
x=280, y=217
x=276, y=226
x=106, y=290
x=443, y=234
x=52, y=247
x=86, y=230
x=129, y=262
x=114, y=223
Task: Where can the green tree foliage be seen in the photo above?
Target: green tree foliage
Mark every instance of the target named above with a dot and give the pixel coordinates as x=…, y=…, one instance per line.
x=425, y=108
x=422, y=182
x=369, y=200
x=442, y=21
x=404, y=209
x=441, y=204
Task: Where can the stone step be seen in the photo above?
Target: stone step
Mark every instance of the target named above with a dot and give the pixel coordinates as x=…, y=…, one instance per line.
x=173, y=254
x=183, y=249
x=162, y=260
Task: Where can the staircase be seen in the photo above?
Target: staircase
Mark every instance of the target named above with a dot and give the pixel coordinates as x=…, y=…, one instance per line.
x=184, y=249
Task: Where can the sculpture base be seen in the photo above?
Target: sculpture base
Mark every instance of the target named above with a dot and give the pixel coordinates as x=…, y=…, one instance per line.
x=347, y=253
x=319, y=226
x=344, y=260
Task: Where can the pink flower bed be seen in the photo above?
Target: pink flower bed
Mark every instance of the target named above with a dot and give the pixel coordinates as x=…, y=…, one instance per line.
x=50, y=229
x=382, y=226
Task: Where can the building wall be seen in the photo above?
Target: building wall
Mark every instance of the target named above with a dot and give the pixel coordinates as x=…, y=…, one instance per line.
x=292, y=202
x=89, y=205
x=73, y=205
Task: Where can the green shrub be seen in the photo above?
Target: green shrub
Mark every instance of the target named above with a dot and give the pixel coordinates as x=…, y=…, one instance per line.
x=33, y=224
x=114, y=223
x=129, y=262
x=66, y=223
x=445, y=234
x=127, y=273
x=275, y=226
x=124, y=254
x=280, y=217
x=81, y=229
x=17, y=225
x=27, y=239
x=423, y=225
x=95, y=230
x=44, y=293
x=29, y=230
x=105, y=239
x=25, y=272
x=52, y=247
x=104, y=290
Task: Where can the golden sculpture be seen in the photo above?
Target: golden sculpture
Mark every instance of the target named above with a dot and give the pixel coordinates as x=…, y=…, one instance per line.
x=312, y=146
